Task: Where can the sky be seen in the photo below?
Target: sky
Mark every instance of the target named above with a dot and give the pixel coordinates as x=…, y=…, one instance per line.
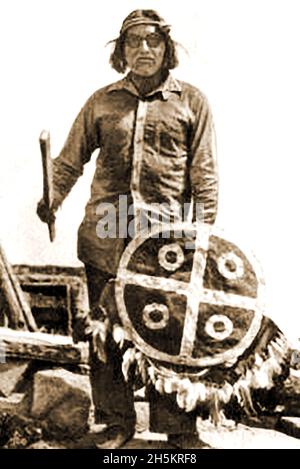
x=243, y=54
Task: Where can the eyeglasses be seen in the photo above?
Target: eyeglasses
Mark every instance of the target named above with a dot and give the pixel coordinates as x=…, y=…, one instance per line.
x=134, y=41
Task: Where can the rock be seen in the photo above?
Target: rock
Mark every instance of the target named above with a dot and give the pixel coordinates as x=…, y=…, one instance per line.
x=11, y=404
x=290, y=426
x=17, y=432
x=62, y=400
x=244, y=437
x=289, y=395
x=10, y=375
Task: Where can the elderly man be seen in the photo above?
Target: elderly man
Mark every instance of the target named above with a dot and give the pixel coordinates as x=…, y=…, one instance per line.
x=155, y=136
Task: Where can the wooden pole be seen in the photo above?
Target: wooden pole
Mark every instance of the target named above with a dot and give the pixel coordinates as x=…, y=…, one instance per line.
x=47, y=178
x=20, y=314
x=42, y=346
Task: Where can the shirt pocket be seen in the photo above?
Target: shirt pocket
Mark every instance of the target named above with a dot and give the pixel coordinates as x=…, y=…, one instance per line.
x=172, y=148
x=172, y=141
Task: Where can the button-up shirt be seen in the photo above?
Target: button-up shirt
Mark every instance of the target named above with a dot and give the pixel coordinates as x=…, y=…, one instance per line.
x=154, y=149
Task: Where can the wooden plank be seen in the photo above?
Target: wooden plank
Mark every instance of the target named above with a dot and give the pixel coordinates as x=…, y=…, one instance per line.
x=49, y=270
x=41, y=346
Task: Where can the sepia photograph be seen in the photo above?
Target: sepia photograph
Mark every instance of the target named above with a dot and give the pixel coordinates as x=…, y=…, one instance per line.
x=149, y=239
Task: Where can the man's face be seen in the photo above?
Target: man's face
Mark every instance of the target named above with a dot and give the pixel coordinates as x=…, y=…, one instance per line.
x=144, y=50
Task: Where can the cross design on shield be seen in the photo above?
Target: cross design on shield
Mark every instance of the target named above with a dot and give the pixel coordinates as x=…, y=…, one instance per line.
x=193, y=300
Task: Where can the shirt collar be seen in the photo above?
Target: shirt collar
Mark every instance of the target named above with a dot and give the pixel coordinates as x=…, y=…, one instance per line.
x=170, y=85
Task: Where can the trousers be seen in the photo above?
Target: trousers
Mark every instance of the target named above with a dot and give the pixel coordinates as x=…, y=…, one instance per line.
x=113, y=397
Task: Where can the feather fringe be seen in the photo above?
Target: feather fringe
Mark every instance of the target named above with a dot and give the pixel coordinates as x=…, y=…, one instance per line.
x=195, y=389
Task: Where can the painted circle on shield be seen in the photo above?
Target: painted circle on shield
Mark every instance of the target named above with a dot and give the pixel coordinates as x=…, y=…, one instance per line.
x=214, y=322
x=171, y=257
x=230, y=266
x=156, y=316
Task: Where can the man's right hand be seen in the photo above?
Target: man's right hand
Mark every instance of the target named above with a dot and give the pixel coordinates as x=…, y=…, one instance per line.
x=45, y=214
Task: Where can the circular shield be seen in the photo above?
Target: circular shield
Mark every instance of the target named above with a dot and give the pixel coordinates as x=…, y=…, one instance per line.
x=188, y=296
